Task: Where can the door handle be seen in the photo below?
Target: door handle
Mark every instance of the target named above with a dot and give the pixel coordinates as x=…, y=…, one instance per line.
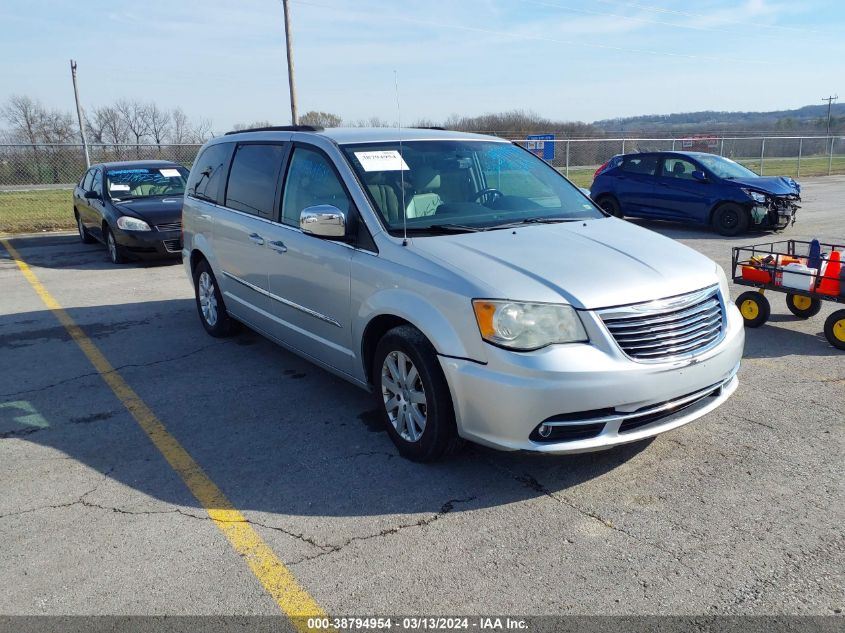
x=279, y=246
x=256, y=238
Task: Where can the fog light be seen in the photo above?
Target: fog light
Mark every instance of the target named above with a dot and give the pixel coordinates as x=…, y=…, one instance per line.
x=545, y=430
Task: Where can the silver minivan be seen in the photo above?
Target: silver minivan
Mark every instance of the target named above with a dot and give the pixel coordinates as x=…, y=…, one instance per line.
x=477, y=292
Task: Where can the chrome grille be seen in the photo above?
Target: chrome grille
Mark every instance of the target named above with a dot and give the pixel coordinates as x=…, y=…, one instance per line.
x=659, y=330
x=169, y=226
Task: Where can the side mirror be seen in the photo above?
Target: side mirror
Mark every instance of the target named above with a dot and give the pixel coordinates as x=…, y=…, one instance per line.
x=700, y=176
x=92, y=195
x=323, y=220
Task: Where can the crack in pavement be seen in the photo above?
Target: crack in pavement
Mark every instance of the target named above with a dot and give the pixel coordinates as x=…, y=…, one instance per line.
x=445, y=509
x=116, y=369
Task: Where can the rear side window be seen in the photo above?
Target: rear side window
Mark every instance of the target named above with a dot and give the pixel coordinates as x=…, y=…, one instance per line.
x=642, y=165
x=89, y=178
x=209, y=173
x=253, y=179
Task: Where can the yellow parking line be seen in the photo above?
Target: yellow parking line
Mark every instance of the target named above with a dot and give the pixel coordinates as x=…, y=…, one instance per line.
x=276, y=578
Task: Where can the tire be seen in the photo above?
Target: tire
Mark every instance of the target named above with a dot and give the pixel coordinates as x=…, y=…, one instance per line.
x=730, y=219
x=754, y=308
x=404, y=352
x=834, y=329
x=84, y=235
x=803, y=307
x=611, y=205
x=210, y=306
x=115, y=253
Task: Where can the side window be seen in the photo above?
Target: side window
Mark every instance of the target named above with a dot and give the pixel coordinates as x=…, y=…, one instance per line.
x=253, y=179
x=87, y=180
x=643, y=165
x=209, y=172
x=311, y=180
x=97, y=182
x=678, y=168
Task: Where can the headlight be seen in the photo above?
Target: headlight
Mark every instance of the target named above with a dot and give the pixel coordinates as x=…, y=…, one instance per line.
x=759, y=198
x=723, y=284
x=132, y=224
x=527, y=326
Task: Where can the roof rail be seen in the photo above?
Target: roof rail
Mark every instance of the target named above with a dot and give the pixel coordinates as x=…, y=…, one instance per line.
x=280, y=128
x=429, y=127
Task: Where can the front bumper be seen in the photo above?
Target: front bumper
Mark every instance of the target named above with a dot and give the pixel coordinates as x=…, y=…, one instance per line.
x=502, y=403
x=150, y=244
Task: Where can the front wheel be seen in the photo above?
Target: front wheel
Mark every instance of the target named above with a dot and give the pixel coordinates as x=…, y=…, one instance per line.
x=730, y=219
x=754, y=308
x=414, y=398
x=834, y=329
x=115, y=254
x=803, y=307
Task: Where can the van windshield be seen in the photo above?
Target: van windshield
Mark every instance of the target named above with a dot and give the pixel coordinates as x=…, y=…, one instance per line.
x=469, y=185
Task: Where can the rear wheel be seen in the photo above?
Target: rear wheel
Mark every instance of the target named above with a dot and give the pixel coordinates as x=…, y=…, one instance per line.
x=754, y=308
x=413, y=395
x=115, y=254
x=210, y=306
x=803, y=307
x=730, y=219
x=611, y=205
x=84, y=235
x=834, y=329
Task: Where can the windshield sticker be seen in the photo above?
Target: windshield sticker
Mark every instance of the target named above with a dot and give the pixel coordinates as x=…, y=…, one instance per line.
x=170, y=173
x=116, y=186
x=385, y=160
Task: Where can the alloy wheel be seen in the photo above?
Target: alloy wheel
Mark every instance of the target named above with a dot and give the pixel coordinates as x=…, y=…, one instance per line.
x=404, y=397
x=112, y=247
x=207, y=298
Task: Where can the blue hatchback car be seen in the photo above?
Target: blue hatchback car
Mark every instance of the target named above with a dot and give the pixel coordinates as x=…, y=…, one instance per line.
x=695, y=187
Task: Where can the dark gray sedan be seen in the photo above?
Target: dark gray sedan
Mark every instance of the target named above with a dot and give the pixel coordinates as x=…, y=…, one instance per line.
x=133, y=207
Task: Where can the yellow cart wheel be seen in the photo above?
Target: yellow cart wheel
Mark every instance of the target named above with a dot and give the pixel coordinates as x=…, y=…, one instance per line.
x=802, y=306
x=754, y=308
x=834, y=329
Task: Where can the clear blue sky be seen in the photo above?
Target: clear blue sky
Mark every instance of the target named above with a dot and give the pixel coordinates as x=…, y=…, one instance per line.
x=568, y=59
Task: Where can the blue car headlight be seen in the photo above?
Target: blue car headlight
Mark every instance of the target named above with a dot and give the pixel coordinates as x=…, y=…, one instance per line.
x=756, y=196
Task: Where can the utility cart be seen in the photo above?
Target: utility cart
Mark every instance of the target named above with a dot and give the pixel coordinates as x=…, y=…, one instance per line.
x=807, y=272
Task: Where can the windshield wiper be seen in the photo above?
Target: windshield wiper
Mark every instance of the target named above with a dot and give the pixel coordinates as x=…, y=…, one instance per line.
x=508, y=225
x=441, y=229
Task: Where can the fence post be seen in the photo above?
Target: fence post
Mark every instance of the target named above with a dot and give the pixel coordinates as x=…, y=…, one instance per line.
x=762, y=153
x=673, y=145
x=800, y=148
x=623, y=145
x=722, y=147
x=830, y=157
x=567, y=158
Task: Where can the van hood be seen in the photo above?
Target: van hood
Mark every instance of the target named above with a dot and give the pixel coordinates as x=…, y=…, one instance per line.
x=589, y=264
x=775, y=185
x=153, y=210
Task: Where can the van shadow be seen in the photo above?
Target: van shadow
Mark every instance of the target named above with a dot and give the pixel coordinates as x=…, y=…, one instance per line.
x=276, y=433
x=681, y=231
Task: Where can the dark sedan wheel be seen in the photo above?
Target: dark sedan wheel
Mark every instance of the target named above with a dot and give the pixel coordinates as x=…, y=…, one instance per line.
x=413, y=395
x=84, y=235
x=611, y=205
x=730, y=219
x=115, y=253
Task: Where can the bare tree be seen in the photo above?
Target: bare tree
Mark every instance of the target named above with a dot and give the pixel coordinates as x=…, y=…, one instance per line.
x=160, y=123
x=136, y=118
x=250, y=126
x=320, y=119
x=23, y=115
x=201, y=132
x=181, y=126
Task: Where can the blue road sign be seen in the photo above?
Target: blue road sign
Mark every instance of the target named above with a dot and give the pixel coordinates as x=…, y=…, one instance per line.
x=537, y=144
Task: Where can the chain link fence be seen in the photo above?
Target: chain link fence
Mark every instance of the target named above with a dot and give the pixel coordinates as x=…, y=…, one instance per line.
x=36, y=180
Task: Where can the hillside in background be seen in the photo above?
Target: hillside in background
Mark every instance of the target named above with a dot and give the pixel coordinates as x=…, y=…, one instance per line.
x=811, y=119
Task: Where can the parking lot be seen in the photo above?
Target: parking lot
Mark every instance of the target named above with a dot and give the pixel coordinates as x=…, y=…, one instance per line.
x=740, y=512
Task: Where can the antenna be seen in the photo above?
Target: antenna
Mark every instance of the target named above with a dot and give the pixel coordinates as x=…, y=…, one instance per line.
x=401, y=161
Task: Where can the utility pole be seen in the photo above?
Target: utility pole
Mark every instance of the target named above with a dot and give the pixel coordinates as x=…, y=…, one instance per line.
x=829, y=100
x=289, y=44
x=79, y=115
